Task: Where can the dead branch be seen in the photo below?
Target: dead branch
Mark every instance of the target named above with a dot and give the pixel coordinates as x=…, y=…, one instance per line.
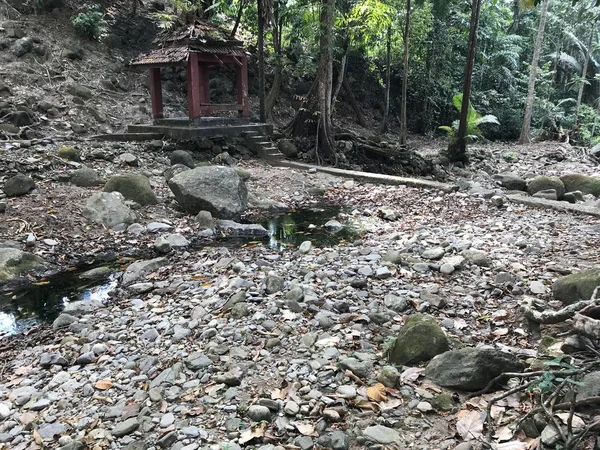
x=552, y=317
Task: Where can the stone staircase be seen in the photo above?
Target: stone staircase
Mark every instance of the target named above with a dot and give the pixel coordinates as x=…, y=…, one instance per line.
x=261, y=144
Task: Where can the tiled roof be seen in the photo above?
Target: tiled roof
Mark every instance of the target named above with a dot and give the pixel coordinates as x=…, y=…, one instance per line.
x=168, y=55
x=202, y=37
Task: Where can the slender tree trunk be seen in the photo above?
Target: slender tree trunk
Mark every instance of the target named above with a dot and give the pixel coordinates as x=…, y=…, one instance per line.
x=238, y=18
x=261, y=61
x=341, y=71
x=316, y=109
x=403, y=112
x=584, y=73
x=276, y=87
x=525, y=137
x=457, y=150
x=352, y=100
x=388, y=79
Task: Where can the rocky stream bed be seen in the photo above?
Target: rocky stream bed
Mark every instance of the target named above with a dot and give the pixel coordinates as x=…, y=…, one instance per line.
x=283, y=339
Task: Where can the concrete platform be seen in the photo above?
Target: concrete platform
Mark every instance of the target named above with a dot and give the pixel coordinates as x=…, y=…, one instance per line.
x=187, y=132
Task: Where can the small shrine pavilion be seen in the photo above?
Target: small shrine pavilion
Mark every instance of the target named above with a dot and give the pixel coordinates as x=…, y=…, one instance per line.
x=199, y=48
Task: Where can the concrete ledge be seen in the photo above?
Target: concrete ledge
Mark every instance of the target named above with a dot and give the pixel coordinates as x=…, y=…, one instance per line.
x=554, y=204
x=127, y=137
x=369, y=177
x=199, y=132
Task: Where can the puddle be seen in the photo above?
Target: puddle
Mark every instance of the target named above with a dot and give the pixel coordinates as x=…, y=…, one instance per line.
x=293, y=228
x=42, y=302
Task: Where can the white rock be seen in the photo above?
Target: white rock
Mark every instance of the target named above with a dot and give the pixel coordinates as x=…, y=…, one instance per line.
x=537, y=287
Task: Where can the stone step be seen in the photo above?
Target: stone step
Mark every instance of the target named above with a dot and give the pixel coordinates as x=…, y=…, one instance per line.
x=127, y=137
x=202, y=121
x=257, y=138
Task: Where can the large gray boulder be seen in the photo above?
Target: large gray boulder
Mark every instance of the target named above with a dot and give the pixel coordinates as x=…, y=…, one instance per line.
x=584, y=183
x=471, y=369
x=108, y=209
x=591, y=386
x=14, y=262
x=137, y=270
x=511, y=181
x=543, y=183
x=288, y=148
x=577, y=286
x=86, y=177
x=420, y=339
x=133, y=187
x=18, y=185
x=216, y=189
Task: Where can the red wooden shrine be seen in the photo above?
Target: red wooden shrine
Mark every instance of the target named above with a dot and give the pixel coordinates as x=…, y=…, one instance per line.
x=199, y=48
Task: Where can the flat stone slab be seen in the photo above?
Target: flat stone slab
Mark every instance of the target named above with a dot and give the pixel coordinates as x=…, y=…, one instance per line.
x=370, y=177
x=554, y=204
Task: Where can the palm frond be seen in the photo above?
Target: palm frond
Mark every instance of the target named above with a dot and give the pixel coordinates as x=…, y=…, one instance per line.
x=576, y=42
x=488, y=118
x=566, y=60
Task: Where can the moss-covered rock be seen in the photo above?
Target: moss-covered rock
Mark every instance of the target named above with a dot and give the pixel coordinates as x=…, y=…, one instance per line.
x=14, y=262
x=577, y=286
x=442, y=402
x=69, y=153
x=420, y=339
x=543, y=183
x=584, y=183
x=133, y=187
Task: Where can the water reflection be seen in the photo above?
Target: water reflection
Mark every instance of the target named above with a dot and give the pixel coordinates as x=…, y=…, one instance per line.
x=43, y=302
x=290, y=230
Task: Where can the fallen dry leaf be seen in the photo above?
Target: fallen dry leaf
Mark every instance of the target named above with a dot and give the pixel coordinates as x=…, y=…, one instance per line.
x=577, y=422
x=377, y=393
x=305, y=428
x=23, y=370
x=252, y=433
x=411, y=374
x=390, y=404
x=503, y=434
x=103, y=385
x=512, y=445
x=37, y=438
x=469, y=424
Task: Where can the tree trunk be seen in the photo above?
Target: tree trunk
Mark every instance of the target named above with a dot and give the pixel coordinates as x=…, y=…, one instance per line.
x=403, y=112
x=261, y=61
x=341, y=72
x=316, y=109
x=457, y=150
x=352, y=100
x=584, y=74
x=388, y=79
x=276, y=87
x=238, y=18
x=525, y=137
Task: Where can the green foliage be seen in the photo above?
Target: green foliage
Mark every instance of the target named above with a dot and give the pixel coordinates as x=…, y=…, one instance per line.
x=89, y=22
x=474, y=121
x=588, y=130
x=547, y=382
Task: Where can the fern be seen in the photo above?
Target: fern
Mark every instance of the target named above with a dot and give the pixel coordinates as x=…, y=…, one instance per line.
x=474, y=120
